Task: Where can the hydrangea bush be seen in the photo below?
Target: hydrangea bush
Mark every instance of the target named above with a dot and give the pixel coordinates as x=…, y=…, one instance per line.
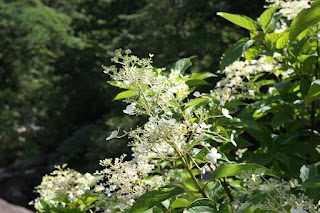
x=250, y=145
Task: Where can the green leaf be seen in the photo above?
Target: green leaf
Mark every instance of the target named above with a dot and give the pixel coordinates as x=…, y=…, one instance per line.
x=201, y=76
x=156, y=210
x=182, y=65
x=196, y=82
x=202, y=205
x=196, y=103
x=122, y=85
x=213, y=192
x=235, y=52
x=280, y=118
x=179, y=203
x=266, y=17
x=304, y=19
x=201, y=156
x=316, y=3
x=283, y=158
x=282, y=41
x=272, y=38
x=242, y=21
x=314, y=92
x=228, y=170
x=125, y=94
x=312, y=182
x=150, y=199
x=189, y=183
x=43, y=205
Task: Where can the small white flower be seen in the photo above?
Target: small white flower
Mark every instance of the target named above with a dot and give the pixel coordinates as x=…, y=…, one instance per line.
x=276, y=54
x=108, y=192
x=113, y=187
x=72, y=196
x=184, y=76
x=225, y=113
x=96, y=172
x=172, y=121
x=153, y=119
x=130, y=108
x=263, y=187
x=298, y=210
x=169, y=113
x=203, y=170
x=213, y=155
x=114, y=134
x=197, y=94
x=232, y=140
x=203, y=125
x=129, y=81
x=296, y=183
x=122, y=206
x=251, y=92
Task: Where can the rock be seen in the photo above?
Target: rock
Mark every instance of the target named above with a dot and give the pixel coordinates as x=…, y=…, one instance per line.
x=10, y=208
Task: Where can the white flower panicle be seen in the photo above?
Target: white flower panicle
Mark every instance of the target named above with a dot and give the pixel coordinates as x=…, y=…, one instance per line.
x=153, y=89
x=160, y=137
x=125, y=181
x=238, y=76
x=290, y=8
x=64, y=183
x=281, y=195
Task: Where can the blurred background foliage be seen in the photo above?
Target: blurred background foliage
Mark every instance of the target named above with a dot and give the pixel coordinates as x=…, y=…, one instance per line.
x=55, y=104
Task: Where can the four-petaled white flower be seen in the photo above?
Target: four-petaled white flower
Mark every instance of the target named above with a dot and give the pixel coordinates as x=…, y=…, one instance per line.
x=225, y=113
x=130, y=108
x=213, y=155
x=114, y=134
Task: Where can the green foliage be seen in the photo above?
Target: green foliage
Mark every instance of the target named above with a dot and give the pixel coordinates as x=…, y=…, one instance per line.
x=266, y=17
x=201, y=205
x=53, y=97
x=228, y=170
x=304, y=20
x=152, y=198
x=285, y=105
x=242, y=21
x=314, y=92
x=235, y=52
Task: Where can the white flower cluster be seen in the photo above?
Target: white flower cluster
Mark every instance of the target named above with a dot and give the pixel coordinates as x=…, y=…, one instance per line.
x=237, y=76
x=170, y=132
x=64, y=183
x=160, y=137
x=125, y=181
x=290, y=8
x=153, y=89
x=278, y=194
